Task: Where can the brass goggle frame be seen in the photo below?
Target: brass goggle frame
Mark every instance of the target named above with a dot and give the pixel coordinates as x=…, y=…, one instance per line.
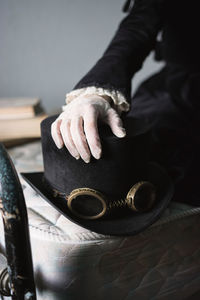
x=129, y=201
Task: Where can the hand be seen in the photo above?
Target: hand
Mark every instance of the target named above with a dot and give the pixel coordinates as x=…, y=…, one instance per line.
x=76, y=127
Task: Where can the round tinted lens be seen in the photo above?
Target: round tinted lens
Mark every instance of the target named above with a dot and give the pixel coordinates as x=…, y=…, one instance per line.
x=142, y=196
x=145, y=197
x=87, y=204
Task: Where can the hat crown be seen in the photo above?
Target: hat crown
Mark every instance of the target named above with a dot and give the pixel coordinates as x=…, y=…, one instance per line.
x=113, y=175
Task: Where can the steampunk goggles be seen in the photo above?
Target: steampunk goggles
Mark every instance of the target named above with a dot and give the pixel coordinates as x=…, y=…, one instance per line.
x=87, y=203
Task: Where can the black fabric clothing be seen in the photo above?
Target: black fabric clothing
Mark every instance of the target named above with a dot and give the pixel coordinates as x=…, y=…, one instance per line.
x=136, y=38
x=131, y=44
x=169, y=99
x=176, y=134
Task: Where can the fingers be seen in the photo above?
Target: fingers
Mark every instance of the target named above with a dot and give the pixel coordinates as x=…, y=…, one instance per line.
x=71, y=134
x=91, y=132
x=76, y=128
x=115, y=123
x=56, y=134
x=79, y=138
x=67, y=138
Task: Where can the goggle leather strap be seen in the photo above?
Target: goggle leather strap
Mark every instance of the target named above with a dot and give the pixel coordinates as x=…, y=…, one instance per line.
x=54, y=192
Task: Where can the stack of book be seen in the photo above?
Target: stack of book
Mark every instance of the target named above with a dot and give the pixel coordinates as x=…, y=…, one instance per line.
x=20, y=119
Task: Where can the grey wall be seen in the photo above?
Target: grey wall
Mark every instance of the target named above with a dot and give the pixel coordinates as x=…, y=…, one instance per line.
x=46, y=46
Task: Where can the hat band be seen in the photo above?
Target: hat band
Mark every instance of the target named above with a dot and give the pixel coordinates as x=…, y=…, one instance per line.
x=87, y=203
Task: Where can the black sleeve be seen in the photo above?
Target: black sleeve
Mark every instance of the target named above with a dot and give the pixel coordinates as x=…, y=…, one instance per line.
x=133, y=41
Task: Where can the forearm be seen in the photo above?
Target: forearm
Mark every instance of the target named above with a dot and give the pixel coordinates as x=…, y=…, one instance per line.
x=133, y=41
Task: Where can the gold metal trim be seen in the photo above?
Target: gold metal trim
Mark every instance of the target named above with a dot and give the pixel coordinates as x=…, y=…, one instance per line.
x=86, y=191
x=130, y=198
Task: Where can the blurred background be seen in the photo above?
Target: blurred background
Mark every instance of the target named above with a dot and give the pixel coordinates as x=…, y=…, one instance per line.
x=48, y=45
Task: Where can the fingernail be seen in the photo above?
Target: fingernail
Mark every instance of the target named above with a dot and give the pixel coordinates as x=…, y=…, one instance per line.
x=58, y=145
x=87, y=160
x=122, y=132
x=97, y=154
x=77, y=157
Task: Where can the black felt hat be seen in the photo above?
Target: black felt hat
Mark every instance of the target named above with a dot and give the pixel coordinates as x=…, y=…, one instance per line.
x=125, y=163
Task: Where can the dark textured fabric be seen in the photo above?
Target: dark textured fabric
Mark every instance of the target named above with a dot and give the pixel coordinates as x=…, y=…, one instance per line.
x=171, y=98
x=113, y=175
x=171, y=106
x=181, y=33
x=132, y=42
x=136, y=37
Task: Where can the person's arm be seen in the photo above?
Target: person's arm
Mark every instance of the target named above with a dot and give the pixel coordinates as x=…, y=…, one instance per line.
x=133, y=41
x=76, y=127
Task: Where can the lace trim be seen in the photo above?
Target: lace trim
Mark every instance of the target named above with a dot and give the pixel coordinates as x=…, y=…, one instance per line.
x=119, y=101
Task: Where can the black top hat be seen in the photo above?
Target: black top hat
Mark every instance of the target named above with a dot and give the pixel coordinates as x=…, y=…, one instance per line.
x=120, y=194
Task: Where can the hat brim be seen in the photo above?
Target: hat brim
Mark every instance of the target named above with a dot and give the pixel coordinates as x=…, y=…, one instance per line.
x=127, y=224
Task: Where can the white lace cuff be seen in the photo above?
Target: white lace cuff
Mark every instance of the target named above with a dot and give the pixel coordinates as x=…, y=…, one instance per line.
x=119, y=101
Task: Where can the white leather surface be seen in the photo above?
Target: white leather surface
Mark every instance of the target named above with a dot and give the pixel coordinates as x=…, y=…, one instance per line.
x=70, y=262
